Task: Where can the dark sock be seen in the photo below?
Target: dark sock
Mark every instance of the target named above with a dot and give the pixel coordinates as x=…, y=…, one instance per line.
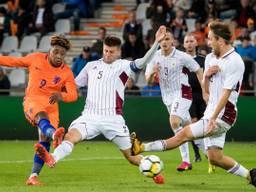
x=196, y=149
x=46, y=127
x=38, y=163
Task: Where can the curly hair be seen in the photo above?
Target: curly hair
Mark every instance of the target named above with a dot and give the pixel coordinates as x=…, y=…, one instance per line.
x=61, y=41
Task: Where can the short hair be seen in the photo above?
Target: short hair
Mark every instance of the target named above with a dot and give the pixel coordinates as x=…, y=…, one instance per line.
x=86, y=49
x=189, y=34
x=61, y=41
x=112, y=41
x=168, y=30
x=103, y=29
x=247, y=38
x=132, y=33
x=221, y=29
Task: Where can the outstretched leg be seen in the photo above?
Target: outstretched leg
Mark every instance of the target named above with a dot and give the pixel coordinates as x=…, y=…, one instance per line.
x=124, y=145
x=64, y=149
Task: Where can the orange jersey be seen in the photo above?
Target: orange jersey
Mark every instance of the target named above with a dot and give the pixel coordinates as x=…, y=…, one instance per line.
x=44, y=79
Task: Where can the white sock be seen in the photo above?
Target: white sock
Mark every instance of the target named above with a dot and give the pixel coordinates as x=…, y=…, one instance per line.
x=239, y=170
x=159, y=145
x=33, y=174
x=184, y=149
x=201, y=145
x=63, y=150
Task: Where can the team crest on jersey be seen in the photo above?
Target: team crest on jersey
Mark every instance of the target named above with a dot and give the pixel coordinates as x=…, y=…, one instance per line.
x=95, y=67
x=173, y=64
x=56, y=79
x=158, y=66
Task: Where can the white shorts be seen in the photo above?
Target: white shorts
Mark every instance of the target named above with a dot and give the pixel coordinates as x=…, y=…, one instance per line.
x=217, y=139
x=180, y=107
x=111, y=127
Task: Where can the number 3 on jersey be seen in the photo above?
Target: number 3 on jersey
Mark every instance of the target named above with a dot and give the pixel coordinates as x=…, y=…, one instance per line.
x=100, y=75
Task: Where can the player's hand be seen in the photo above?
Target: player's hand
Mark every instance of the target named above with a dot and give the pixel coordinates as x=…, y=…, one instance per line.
x=212, y=70
x=211, y=125
x=156, y=73
x=160, y=34
x=55, y=97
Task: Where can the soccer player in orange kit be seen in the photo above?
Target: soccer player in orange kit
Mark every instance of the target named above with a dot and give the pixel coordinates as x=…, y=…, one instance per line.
x=50, y=81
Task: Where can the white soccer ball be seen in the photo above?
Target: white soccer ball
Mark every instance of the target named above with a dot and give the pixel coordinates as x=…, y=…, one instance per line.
x=151, y=165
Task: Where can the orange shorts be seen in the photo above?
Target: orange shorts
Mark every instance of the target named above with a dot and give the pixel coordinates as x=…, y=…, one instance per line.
x=32, y=107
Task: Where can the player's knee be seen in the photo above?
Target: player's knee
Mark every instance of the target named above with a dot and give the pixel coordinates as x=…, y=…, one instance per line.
x=183, y=135
x=130, y=159
x=214, y=159
x=73, y=137
x=175, y=124
x=133, y=160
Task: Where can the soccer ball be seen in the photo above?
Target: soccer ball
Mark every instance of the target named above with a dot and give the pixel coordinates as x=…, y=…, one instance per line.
x=151, y=165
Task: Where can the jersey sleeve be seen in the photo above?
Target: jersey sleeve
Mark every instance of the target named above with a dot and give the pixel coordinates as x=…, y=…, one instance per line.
x=10, y=61
x=150, y=66
x=70, y=93
x=82, y=78
x=190, y=63
x=233, y=75
x=134, y=67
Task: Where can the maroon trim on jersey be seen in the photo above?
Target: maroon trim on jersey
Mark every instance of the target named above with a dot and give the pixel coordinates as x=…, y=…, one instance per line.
x=228, y=53
x=119, y=104
x=185, y=70
x=186, y=92
x=237, y=86
x=229, y=115
x=123, y=77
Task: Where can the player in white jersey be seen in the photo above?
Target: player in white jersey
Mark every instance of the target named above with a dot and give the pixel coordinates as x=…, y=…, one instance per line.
x=223, y=75
x=173, y=67
x=198, y=104
x=102, y=114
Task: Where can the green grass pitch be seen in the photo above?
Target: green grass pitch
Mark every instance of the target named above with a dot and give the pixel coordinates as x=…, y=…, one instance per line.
x=100, y=167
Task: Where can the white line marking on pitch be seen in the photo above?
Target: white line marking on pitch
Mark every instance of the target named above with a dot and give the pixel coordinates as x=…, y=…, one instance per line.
x=79, y=159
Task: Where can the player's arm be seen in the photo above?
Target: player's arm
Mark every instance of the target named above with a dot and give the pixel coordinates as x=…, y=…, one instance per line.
x=209, y=72
x=221, y=104
x=231, y=83
x=68, y=92
x=139, y=64
x=152, y=75
x=10, y=61
x=204, y=87
x=82, y=78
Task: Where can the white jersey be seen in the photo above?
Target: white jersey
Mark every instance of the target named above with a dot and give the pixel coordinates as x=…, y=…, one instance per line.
x=173, y=74
x=230, y=77
x=106, y=85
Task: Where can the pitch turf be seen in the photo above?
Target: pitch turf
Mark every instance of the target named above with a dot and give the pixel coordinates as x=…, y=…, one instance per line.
x=99, y=167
